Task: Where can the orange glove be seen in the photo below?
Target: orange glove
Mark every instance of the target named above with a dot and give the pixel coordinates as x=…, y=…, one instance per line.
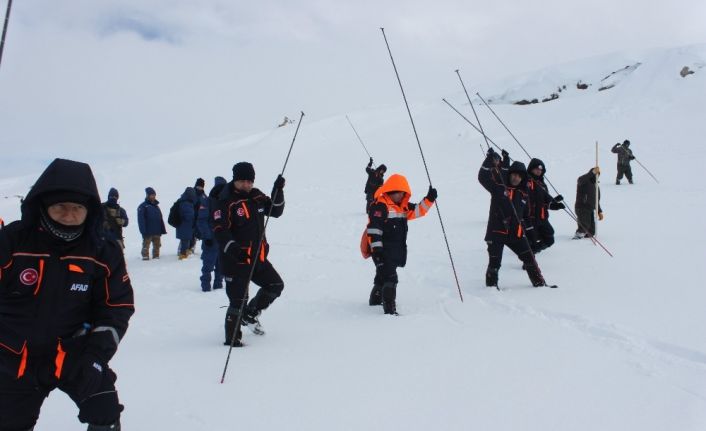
x=600, y=216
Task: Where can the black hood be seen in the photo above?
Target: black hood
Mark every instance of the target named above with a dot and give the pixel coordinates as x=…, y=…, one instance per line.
x=536, y=163
x=62, y=176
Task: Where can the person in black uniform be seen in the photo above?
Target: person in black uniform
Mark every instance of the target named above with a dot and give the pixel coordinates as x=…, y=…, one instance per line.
x=376, y=178
x=65, y=302
x=540, y=202
x=508, y=202
x=238, y=218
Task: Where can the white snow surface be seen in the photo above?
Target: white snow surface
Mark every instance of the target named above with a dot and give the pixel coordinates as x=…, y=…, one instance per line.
x=620, y=345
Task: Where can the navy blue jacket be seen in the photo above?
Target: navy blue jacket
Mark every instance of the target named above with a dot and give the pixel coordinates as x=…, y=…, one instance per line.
x=149, y=218
x=187, y=203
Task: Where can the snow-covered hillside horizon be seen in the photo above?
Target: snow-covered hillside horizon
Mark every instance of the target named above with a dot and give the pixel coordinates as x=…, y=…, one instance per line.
x=619, y=345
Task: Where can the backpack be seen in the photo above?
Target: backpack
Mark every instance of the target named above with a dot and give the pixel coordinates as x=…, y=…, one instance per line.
x=365, y=245
x=174, y=218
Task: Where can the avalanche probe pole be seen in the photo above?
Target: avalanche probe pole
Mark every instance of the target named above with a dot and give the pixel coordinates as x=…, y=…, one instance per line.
x=4, y=28
x=414, y=128
x=647, y=170
x=257, y=253
x=595, y=224
x=358, y=136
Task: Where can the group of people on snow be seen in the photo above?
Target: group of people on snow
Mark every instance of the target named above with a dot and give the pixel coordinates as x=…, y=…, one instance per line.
x=67, y=297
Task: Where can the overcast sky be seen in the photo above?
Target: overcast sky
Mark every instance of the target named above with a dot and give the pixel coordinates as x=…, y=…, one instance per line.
x=168, y=73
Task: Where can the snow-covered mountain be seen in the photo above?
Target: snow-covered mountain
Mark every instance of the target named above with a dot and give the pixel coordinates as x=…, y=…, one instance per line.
x=619, y=346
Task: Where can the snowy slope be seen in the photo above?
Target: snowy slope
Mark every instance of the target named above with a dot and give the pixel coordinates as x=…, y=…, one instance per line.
x=620, y=345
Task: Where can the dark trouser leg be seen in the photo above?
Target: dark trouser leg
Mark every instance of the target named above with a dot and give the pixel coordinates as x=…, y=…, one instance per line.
x=545, y=234
x=20, y=401
x=146, y=241
x=586, y=223
x=628, y=173
x=183, y=247
x=523, y=251
x=235, y=289
x=386, y=281
x=271, y=286
x=495, y=258
x=209, y=259
x=621, y=172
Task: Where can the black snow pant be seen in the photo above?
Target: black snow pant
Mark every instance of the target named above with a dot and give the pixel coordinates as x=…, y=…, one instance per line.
x=587, y=223
x=521, y=248
x=265, y=276
x=385, y=287
x=624, y=170
x=21, y=399
x=369, y=198
x=544, y=236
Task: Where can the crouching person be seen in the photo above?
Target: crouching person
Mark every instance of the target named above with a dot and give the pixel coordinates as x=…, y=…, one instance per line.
x=387, y=235
x=65, y=302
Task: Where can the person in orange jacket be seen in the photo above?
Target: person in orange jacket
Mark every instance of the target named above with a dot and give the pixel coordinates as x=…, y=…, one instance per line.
x=387, y=235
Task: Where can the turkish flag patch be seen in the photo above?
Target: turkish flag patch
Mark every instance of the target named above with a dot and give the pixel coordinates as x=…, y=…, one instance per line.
x=377, y=214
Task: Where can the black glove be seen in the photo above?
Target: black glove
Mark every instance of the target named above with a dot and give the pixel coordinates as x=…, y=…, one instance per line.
x=505, y=154
x=431, y=194
x=378, y=260
x=279, y=182
x=558, y=198
x=208, y=242
x=87, y=375
x=237, y=253
x=491, y=153
x=370, y=163
x=557, y=206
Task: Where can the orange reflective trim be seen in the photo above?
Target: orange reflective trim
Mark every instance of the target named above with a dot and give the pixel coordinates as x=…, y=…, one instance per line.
x=41, y=275
x=107, y=298
x=512, y=193
x=249, y=253
x=262, y=252
x=59, y=361
x=542, y=215
x=75, y=268
x=23, y=363
x=519, y=231
x=245, y=207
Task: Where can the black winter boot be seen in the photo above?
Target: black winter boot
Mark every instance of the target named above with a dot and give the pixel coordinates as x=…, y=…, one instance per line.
x=375, y=295
x=231, y=321
x=491, y=277
x=389, y=294
x=112, y=427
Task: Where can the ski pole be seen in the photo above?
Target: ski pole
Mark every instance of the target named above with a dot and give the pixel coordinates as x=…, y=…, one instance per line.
x=475, y=114
x=257, y=253
x=647, y=170
x=4, y=28
x=414, y=128
x=358, y=136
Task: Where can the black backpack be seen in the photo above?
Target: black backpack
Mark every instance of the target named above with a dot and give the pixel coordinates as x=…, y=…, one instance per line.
x=174, y=218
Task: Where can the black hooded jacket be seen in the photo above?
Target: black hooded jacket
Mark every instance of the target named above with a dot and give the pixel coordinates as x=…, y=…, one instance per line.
x=586, y=192
x=540, y=201
x=502, y=223
x=375, y=179
x=51, y=290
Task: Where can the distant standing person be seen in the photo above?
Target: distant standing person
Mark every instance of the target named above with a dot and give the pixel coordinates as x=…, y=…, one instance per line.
x=624, y=157
x=585, y=205
x=376, y=177
x=151, y=223
x=114, y=217
x=209, y=246
x=187, y=222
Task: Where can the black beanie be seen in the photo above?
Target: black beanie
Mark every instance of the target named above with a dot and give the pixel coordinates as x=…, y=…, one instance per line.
x=200, y=183
x=243, y=171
